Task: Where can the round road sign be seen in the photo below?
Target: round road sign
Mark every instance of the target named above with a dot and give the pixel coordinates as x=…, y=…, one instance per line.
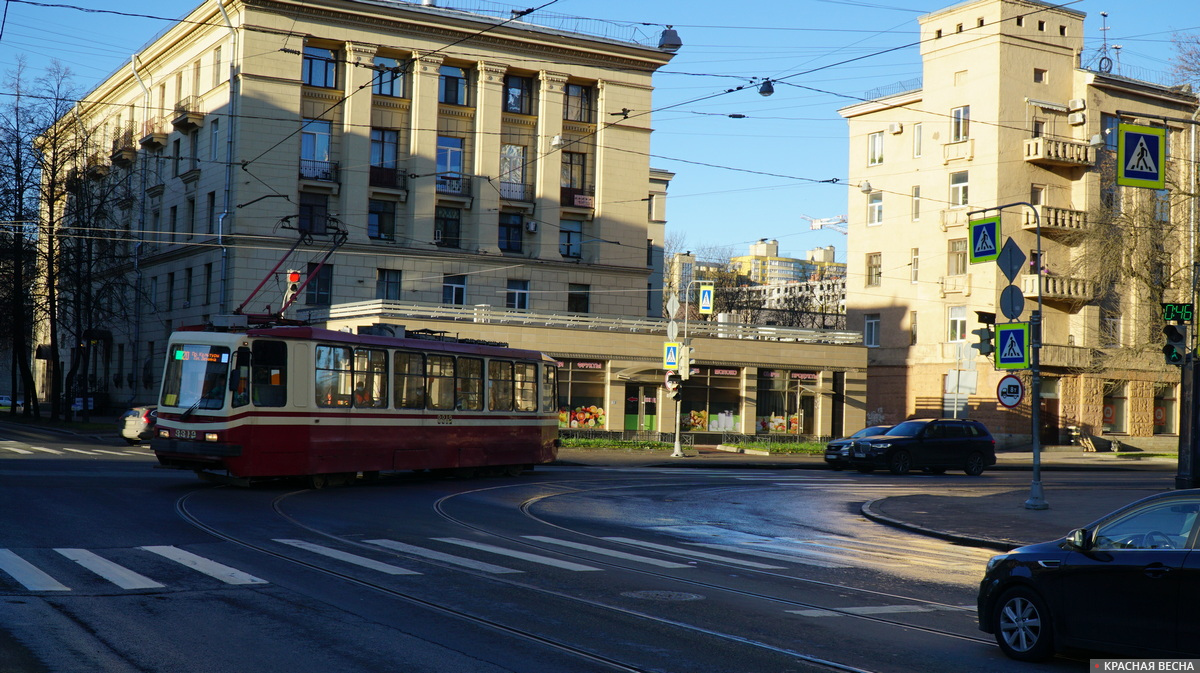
x=1010, y=391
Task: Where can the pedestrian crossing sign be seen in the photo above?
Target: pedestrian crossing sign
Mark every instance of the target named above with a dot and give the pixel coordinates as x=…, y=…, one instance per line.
x=671, y=355
x=1141, y=156
x=1012, y=345
x=985, y=235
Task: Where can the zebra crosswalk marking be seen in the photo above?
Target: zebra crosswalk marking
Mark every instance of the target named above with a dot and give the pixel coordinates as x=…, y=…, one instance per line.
x=45, y=450
x=879, y=610
x=694, y=553
x=15, y=450
x=200, y=564
x=349, y=558
x=27, y=574
x=608, y=552
x=78, y=451
x=802, y=556
x=441, y=556
x=117, y=574
x=532, y=558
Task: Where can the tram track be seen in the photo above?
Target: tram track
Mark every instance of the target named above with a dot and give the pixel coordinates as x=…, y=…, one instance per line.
x=525, y=508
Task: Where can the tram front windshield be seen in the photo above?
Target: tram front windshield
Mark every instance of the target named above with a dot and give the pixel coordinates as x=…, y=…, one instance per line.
x=196, y=376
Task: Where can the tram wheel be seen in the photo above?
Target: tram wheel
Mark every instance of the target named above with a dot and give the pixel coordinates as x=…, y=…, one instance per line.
x=318, y=481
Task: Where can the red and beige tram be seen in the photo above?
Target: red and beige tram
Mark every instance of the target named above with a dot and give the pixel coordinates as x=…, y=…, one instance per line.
x=303, y=401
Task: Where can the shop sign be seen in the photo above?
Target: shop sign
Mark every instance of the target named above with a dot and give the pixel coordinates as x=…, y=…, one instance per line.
x=805, y=376
x=724, y=372
x=589, y=365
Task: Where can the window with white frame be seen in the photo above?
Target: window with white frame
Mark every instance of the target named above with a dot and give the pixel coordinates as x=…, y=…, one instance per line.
x=956, y=323
x=874, y=269
x=875, y=148
x=914, y=264
x=875, y=208
x=956, y=254
x=570, y=238
x=387, y=284
x=916, y=203
x=517, y=294
x=871, y=330
x=1114, y=407
x=320, y=67
x=912, y=328
x=958, y=189
x=960, y=120
x=916, y=129
x=454, y=289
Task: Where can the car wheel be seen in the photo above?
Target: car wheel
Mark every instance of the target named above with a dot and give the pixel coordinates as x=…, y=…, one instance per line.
x=1023, y=627
x=975, y=465
x=900, y=462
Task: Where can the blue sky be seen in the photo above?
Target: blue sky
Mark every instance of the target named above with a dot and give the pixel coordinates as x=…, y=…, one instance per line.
x=737, y=179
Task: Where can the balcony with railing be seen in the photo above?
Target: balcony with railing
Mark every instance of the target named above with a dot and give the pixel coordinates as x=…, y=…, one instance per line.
x=97, y=166
x=455, y=185
x=1056, y=220
x=1058, y=153
x=516, y=191
x=579, y=197
x=187, y=116
x=124, y=151
x=388, y=177
x=1059, y=289
x=154, y=134
x=322, y=171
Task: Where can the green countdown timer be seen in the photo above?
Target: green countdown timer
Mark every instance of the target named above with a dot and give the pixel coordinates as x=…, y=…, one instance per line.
x=1176, y=312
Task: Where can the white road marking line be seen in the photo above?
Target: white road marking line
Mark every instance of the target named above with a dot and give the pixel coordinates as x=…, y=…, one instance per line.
x=879, y=610
x=200, y=564
x=692, y=552
x=78, y=451
x=117, y=574
x=350, y=558
x=15, y=450
x=798, y=556
x=533, y=558
x=139, y=453
x=45, y=450
x=439, y=556
x=608, y=552
x=27, y=574
x=113, y=453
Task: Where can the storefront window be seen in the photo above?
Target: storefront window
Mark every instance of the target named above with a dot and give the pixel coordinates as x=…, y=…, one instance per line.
x=1164, y=409
x=1114, y=407
x=712, y=400
x=785, y=406
x=581, y=395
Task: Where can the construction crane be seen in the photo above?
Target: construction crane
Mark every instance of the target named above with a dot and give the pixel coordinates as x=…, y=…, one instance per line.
x=837, y=224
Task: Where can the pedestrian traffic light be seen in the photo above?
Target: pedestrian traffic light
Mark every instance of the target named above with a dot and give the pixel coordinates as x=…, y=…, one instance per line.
x=675, y=385
x=1176, y=346
x=986, y=345
x=685, y=362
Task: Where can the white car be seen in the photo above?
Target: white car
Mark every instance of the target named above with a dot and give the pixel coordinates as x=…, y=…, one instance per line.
x=137, y=424
x=6, y=401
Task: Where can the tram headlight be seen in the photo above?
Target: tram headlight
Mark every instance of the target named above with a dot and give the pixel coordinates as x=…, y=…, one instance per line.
x=164, y=434
x=211, y=437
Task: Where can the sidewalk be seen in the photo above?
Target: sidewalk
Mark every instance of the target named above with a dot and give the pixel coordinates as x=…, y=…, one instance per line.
x=998, y=521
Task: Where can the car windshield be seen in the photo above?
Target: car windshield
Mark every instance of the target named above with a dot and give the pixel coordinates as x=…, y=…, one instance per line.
x=906, y=429
x=870, y=432
x=195, y=376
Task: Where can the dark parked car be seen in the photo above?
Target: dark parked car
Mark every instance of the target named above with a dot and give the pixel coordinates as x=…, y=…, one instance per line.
x=837, y=451
x=137, y=424
x=932, y=444
x=1128, y=583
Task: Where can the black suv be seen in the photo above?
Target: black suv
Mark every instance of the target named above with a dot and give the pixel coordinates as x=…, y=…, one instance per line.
x=932, y=444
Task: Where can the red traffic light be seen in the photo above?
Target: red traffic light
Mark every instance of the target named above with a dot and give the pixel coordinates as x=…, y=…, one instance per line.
x=293, y=276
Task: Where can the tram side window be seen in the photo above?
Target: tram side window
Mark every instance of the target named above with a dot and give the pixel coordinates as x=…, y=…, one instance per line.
x=549, y=388
x=525, y=377
x=440, y=378
x=500, y=385
x=333, y=376
x=268, y=374
x=470, y=384
x=370, y=378
x=410, y=380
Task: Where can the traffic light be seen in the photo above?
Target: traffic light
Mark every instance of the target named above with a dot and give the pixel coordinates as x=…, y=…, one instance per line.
x=675, y=385
x=1176, y=346
x=987, y=337
x=293, y=286
x=685, y=362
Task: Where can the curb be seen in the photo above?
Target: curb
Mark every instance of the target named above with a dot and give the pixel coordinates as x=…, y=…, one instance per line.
x=869, y=510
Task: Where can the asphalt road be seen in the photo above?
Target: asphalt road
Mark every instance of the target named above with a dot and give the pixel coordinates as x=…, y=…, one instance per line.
x=109, y=565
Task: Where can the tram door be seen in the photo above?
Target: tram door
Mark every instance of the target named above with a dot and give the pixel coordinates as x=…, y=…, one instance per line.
x=641, y=407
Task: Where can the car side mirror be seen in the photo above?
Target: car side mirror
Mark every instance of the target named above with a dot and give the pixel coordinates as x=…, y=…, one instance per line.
x=1079, y=539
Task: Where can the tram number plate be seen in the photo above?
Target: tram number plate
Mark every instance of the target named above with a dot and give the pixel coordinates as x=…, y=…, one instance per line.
x=185, y=434
x=445, y=419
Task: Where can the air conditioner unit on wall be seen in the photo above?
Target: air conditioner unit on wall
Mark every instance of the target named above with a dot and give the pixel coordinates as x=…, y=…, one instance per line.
x=895, y=127
x=531, y=226
x=1076, y=104
x=1076, y=119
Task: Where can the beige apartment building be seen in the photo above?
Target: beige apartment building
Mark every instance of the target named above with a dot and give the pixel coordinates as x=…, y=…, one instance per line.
x=1009, y=112
x=482, y=176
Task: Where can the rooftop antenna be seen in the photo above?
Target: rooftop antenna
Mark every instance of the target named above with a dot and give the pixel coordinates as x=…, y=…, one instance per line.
x=1105, y=63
